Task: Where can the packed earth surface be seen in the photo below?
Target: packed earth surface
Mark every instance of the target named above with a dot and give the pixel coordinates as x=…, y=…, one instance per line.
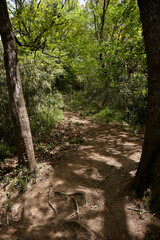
x=82, y=188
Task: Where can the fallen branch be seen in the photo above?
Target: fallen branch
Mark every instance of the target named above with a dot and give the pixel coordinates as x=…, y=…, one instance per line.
x=138, y=210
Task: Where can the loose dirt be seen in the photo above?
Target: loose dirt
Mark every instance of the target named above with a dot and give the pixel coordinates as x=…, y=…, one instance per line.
x=82, y=189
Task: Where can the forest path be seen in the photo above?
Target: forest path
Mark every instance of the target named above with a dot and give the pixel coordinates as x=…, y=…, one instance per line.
x=86, y=194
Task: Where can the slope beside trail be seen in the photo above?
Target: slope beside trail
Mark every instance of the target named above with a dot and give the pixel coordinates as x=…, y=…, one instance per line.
x=85, y=193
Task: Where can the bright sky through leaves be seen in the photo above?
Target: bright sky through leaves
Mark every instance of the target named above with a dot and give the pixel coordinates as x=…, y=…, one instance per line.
x=81, y=1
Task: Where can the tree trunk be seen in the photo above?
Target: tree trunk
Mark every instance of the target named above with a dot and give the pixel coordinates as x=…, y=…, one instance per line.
x=99, y=35
x=148, y=173
x=100, y=105
x=20, y=117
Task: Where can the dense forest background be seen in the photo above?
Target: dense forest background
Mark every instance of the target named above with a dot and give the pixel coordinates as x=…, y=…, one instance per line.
x=87, y=57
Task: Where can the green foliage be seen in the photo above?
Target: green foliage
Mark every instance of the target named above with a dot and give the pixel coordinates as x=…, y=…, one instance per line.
x=6, y=127
x=43, y=102
x=6, y=151
x=46, y=114
x=77, y=140
x=61, y=52
x=18, y=180
x=82, y=101
x=129, y=97
x=21, y=180
x=107, y=115
x=35, y=21
x=123, y=63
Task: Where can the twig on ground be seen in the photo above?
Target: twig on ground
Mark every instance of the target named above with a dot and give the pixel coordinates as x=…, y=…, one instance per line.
x=138, y=210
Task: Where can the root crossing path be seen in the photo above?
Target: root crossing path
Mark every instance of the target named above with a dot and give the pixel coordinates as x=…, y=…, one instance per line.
x=86, y=194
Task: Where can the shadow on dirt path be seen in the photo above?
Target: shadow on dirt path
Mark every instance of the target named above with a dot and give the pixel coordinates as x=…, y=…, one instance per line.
x=102, y=168
x=87, y=195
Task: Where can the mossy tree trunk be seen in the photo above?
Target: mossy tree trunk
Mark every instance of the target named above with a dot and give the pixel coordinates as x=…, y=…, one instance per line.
x=148, y=173
x=20, y=117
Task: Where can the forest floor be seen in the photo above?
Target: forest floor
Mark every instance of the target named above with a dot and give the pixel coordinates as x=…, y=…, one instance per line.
x=82, y=188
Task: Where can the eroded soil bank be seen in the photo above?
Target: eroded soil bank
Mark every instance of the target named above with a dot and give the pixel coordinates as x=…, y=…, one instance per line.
x=82, y=189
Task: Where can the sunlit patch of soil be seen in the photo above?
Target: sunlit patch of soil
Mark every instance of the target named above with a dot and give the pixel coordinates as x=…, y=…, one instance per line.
x=81, y=189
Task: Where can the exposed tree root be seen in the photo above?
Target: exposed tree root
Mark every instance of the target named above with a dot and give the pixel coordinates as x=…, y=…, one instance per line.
x=50, y=195
x=25, y=211
x=70, y=194
x=80, y=224
x=77, y=207
x=93, y=235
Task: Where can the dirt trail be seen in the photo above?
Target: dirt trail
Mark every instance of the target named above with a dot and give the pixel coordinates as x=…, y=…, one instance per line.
x=85, y=195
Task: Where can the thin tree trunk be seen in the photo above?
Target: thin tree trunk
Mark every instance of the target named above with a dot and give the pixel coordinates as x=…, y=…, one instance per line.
x=105, y=7
x=100, y=105
x=148, y=173
x=101, y=55
x=20, y=117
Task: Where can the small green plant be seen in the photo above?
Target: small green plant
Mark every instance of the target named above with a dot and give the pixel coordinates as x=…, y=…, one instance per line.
x=146, y=200
x=46, y=146
x=78, y=140
x=153, y=216
x=142, y=212
x=8, y=205
x=80, y=196
x=51, y=145
x=22, y=180
x=62, y=195
x=5, y=150
x=7, y=179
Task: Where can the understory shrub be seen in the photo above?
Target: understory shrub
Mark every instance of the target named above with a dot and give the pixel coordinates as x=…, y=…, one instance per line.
x=43, y=103
x=47, y=113
x=107, y=115
x=126, y=100
x=129, y=97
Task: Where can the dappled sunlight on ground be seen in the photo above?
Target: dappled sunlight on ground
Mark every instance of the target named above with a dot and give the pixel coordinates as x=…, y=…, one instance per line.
x=87, y=194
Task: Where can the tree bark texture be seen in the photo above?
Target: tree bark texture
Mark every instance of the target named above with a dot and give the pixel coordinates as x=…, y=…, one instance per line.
x=100, y=105
x=20, y=117
x=148, y=172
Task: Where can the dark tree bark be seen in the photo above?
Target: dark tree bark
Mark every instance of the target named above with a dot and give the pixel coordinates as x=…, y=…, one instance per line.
x=148, y=173
x=20, y=117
